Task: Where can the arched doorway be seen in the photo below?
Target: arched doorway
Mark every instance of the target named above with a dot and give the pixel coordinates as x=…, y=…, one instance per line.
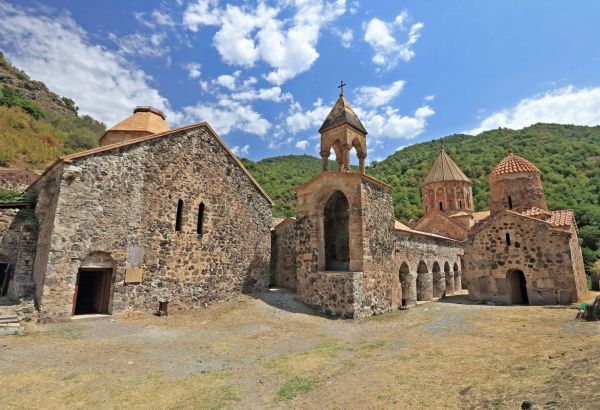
x=408, y=286
x=449, y=279
x=94, y=285
x=518, y=287
x=337, y=249
x=439, y=284
x=457, y=279
x=424, y=285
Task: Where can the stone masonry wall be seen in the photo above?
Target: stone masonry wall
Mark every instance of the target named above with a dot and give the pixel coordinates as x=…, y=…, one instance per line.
x=379, y=287
x=284, y=254
x=123, y=203
x=18, y=236
x=411, y=249
x=525, y=190
x=541, y=252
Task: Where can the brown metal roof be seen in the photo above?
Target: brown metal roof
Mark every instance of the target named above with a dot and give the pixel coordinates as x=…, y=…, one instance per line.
x=444, y=169
x=342, y=113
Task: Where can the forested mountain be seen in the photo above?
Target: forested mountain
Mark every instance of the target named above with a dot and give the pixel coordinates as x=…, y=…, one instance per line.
x=37, y=125
x=567, y=155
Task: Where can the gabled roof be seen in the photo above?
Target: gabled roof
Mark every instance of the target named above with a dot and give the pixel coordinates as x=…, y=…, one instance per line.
x=563, y=218
x=342, y=113
x=139, y=140
x=444, y=169
x=399, y=226
x=513, y=164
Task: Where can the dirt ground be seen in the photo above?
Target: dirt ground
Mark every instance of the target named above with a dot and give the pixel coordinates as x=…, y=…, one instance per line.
x=269, y=351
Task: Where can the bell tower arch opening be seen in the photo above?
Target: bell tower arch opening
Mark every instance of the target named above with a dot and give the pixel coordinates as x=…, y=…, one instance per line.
x=337, y=233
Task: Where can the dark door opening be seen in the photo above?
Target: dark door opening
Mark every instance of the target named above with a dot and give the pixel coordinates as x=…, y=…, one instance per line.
x=337, y=247
x=92, y=292
x=518, y=287
x=3, y=278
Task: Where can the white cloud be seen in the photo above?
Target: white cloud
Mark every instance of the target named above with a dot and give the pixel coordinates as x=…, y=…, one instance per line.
x=193, y=70
x=300, y=120
x=267, y=94
x=138, y=44
x=154, y=19
x=55, y=50
x=237, y=150
x=227, y=115
x=201, y=13
x=389, y=123
x=429, y=98
x=346, y=36
x=378, y=96
x=302, y=144
x=248, y=35
x=382, y=36
x=567, y=105
x=227, y=81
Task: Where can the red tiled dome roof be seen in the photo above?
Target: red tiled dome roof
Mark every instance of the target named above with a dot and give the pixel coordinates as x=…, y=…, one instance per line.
x=513, y=164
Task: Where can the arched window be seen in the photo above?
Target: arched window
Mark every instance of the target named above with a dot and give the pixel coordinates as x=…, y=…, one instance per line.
x=509, y=202
x=507, y=239
x=441, y=206
x=200, y=225
x=179, y=215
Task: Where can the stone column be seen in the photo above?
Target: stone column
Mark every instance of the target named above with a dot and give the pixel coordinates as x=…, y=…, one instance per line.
x=361, y=162
x=346, y=157
x=324, y=160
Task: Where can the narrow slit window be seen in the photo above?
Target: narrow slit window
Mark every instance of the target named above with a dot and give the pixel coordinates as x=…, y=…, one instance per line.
x=509, y=202
x=507, y=239
x=441, y=206
x=179, y=216
x=200, y=225
x=460, y=204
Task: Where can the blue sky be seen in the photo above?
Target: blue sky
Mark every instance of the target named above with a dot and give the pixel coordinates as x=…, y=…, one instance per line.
x=264, y=73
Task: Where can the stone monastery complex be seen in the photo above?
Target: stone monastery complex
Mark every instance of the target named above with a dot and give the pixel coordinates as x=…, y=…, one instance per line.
x=155, y=214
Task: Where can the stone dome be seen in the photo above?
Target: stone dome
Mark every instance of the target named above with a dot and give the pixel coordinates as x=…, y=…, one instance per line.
x=513, y=164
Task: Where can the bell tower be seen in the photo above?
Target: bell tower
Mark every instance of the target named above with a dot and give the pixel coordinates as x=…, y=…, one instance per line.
x=342, y=131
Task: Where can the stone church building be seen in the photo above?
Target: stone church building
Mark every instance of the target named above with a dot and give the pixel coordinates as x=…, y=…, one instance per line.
x=158, y=214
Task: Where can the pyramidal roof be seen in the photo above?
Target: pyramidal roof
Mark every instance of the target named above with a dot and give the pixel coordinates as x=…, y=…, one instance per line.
x=342, y=113
x=513, y=164
x=444, y=169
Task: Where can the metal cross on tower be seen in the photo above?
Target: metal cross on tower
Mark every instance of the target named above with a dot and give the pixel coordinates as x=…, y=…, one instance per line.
x=341, y=87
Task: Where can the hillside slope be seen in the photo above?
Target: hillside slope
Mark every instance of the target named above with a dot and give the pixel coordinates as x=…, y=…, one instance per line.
x=36, y=125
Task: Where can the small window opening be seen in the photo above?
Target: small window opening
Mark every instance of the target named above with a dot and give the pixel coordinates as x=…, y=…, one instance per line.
x=200, y=226
x=507, y=239
x=460, y=204
x=509, y=202
x=179, y=216
x=441, y=206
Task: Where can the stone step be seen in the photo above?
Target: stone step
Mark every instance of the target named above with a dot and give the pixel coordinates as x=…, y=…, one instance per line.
x=13, y=324
x=6, y=317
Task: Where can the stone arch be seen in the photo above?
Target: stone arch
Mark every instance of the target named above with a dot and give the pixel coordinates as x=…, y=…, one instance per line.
x=451, y=198
x=430, y=199
x=457, y=279
x=337, y=232
x=93, y=288
x=440, y=198
x=424, y=282
x=408, y=285
x=438, y=280
x=460, y=198
x=449, y=279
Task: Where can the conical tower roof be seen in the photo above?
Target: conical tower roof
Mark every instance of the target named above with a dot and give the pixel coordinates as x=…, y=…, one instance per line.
x=444, y=169
x=342, y=113
x=146, y=119
x=513, y=164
